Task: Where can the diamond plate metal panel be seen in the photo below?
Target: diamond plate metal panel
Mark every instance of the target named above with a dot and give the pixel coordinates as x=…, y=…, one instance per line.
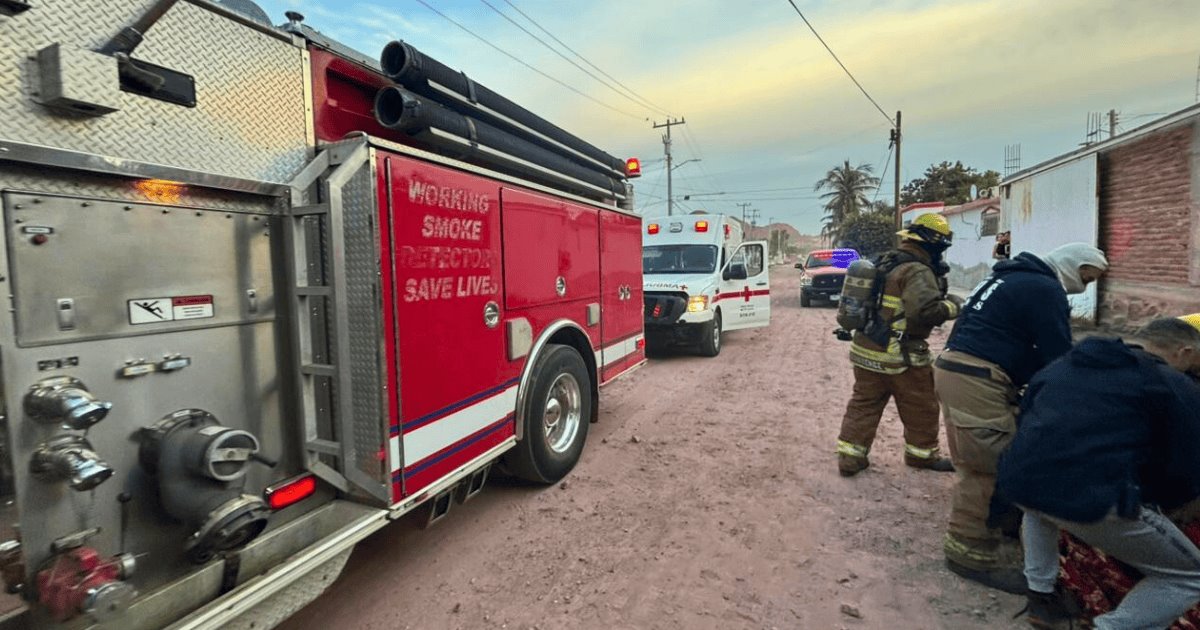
x=250, y=119
x=276, y=609
x=362, y=275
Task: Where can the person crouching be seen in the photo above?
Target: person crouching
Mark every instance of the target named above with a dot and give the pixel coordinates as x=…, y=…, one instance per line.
x=1108, y=437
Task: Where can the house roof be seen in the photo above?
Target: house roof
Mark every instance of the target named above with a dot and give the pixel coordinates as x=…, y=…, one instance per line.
x=922, y=205
x=980, y=204
x=1181, y=116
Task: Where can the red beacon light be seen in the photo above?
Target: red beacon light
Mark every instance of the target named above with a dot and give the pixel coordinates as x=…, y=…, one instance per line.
x=702, y=226
x=633, y=168
x=652, y=228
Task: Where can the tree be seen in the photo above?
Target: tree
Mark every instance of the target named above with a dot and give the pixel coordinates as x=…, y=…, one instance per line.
x=948, y=183
x=845, y=193
x=870, y=234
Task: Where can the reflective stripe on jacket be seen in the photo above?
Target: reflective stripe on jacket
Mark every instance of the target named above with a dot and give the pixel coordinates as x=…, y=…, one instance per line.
x=913, y=304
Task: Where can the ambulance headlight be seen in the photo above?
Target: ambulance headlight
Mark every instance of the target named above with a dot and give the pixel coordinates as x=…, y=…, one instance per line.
x=806, y=281
x=697, y=303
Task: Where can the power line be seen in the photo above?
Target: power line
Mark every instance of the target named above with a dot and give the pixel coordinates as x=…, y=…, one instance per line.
x=516, y=59
x=645, y=101
x=883, y=175
x=564, y=57
x=839, y=61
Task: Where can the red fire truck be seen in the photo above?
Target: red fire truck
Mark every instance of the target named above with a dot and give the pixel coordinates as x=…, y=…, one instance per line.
x=267, y=294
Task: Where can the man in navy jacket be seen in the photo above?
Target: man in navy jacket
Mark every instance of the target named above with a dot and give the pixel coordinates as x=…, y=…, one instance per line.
x=1014, y=323
x=1109, y=436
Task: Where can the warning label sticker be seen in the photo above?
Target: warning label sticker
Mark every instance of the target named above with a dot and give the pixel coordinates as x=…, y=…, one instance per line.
x=169, y=309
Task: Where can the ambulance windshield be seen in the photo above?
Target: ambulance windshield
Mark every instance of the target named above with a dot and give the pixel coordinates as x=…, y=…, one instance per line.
x=679, y=259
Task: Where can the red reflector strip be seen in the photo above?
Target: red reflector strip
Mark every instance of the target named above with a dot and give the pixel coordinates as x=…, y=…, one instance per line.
x=641, y=343
x=290, y=492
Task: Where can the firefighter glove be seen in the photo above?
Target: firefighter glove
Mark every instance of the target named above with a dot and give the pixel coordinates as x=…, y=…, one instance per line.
x=953, y=305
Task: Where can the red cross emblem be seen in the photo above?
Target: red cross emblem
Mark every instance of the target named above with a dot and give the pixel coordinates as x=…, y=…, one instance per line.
x=746, y=293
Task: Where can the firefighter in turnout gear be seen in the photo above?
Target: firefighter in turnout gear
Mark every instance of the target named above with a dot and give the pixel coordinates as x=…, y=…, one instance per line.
x=890, y=354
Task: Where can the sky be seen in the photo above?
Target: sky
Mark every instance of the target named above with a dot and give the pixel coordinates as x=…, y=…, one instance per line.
x=768, y=111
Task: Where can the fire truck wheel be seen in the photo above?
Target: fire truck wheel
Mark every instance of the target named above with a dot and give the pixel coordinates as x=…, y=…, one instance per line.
x=710, y=337
x=556, y=417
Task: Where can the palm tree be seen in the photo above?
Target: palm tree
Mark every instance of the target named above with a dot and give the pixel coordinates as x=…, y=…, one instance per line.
x=845, y=194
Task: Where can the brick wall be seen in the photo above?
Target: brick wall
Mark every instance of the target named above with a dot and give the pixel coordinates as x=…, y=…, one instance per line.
x=1147, y=228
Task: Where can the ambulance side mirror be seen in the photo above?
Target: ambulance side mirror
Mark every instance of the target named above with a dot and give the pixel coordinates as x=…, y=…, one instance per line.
x=800, y=266
x=735, y=271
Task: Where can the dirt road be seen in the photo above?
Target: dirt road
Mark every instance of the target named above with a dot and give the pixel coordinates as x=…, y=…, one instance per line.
x=707, y=497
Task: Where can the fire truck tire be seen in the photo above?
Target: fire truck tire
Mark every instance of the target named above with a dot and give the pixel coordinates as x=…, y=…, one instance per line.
x=556, y=416
x=710, y=337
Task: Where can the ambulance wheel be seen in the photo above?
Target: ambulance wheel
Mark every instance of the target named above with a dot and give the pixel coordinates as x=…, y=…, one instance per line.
x=805, y=301
x=555, y=417
x=710, y=342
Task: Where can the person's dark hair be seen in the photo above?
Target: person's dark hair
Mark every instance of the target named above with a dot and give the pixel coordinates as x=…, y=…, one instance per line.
x=1169, y=331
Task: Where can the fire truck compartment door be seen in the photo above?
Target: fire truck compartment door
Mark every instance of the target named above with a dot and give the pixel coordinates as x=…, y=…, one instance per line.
x=621, y=319
x=747, y=303
x=97, y=269
x=551, y=250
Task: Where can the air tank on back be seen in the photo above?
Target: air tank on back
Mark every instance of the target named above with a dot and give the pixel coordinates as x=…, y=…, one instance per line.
x=858, y=295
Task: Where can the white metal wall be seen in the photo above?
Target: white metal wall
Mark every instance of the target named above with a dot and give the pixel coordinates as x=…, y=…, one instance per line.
x=1052, y=208
x=970, y=258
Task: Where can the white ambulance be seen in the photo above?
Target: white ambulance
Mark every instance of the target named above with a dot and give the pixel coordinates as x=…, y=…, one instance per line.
x=699, y=279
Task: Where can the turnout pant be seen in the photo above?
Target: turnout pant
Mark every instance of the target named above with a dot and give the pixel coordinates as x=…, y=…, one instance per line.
x=913, y=391
x=979, y=404
x=1148, y=542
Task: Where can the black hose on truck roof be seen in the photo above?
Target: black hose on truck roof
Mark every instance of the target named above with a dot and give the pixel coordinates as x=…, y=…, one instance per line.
x=399, y=109
x=405, y=65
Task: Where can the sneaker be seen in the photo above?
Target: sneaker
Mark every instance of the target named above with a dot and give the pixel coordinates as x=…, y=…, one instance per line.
x=1007, y=579
x=936, y=464
x=1047, y=611
x=848, y=465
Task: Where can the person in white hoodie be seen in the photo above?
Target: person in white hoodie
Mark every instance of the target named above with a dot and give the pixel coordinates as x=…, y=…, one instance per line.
x=1014, y=323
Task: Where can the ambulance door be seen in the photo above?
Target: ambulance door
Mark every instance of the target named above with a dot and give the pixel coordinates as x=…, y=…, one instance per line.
x=745, y=296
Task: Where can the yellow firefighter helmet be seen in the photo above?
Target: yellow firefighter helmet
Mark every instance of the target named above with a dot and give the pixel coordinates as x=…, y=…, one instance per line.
x=931, y=228
x=1193, y=320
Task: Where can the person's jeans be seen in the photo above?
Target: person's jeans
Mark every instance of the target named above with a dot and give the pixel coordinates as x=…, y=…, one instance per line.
x=1150, y=543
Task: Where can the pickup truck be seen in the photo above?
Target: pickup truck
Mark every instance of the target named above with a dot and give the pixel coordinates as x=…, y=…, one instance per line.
x=822, y=274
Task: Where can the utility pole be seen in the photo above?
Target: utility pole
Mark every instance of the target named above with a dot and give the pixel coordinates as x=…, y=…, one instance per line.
x=1112, y=123
x=667, y=149
x=896, y=141
x=743, y=206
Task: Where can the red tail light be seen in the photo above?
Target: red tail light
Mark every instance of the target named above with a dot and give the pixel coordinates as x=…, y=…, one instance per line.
x=290, y=492
x=641, y=343
x=726, y=230
x=652, y=228
x=657, y=312
x=702, y=226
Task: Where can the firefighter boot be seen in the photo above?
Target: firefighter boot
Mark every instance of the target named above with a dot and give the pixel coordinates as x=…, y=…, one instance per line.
x=1048, y=611
x=936, y=464
x=978, y=561
x=850, y=465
